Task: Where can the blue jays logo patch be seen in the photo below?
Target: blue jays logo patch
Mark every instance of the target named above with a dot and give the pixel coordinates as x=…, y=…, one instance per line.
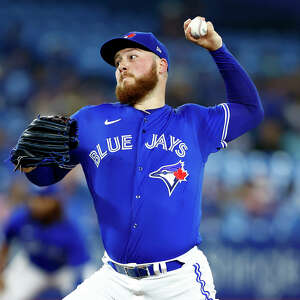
x=171, y=175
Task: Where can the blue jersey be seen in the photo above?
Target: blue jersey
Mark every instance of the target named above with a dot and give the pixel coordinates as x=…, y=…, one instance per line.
x=49, y=247
x=145, y=169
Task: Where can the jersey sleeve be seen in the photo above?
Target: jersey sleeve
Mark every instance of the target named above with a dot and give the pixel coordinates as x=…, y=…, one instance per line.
x=210, y=125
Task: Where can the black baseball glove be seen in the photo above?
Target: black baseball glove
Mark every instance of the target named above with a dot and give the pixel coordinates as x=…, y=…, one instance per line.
x=46, y=141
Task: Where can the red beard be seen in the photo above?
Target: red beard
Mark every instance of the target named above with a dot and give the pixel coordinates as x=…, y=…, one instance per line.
x=132, y=93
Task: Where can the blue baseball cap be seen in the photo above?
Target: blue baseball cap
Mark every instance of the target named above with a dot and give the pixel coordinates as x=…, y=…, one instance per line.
x=142, y=40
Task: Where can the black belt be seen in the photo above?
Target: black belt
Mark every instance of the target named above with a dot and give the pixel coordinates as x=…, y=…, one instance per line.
x=143, y=271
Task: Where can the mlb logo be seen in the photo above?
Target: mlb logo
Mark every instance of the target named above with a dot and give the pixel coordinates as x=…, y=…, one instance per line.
x=129, y=36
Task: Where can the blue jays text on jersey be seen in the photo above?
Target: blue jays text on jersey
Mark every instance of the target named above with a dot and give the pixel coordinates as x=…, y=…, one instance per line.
x=124, y=142
x=144, y=169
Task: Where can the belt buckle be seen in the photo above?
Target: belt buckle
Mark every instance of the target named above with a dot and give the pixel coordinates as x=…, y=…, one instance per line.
x=148, y=271
x=131, y=271
x=146, y=268
x=138, y=271
x=125, y=269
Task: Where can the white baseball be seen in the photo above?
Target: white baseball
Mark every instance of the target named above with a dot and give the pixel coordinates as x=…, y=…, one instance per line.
x=198, y=27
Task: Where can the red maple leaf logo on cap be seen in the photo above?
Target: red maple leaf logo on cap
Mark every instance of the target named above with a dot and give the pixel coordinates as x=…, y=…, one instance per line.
x=180, y=175
x=131, y=35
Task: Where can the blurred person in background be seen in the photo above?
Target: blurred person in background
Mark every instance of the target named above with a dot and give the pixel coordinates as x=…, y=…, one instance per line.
x=250, y=216
x=52, y=251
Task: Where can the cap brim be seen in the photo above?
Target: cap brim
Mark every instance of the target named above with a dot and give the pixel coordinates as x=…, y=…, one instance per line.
x=110, y=48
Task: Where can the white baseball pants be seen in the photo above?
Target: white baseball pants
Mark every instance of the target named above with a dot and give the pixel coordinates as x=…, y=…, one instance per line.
x=193, y=281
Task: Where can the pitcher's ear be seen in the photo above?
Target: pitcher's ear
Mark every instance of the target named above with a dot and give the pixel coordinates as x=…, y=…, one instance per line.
x=163, y=65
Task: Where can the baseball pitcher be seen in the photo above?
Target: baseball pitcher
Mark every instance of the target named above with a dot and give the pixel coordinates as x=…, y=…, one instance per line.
x=144, y=162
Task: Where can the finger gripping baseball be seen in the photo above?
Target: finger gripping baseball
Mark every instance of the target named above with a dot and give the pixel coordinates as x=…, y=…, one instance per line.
x=46, y=141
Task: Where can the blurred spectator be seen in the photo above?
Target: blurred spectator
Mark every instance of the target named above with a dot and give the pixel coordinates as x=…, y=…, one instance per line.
x=269, y=136
x=53, y=252
x=247, y=221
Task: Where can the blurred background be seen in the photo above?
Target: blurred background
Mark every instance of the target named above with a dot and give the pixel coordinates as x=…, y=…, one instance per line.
x=50, y=63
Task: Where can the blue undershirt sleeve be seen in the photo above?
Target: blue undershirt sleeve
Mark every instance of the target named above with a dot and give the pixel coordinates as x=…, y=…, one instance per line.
x=218, y=125
x=243, y=110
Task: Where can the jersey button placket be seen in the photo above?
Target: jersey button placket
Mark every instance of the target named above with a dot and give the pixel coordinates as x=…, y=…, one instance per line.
x=140, y=168
x=145, y=121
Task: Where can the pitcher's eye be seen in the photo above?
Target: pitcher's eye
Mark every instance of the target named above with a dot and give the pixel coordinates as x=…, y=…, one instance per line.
x=133, y=56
